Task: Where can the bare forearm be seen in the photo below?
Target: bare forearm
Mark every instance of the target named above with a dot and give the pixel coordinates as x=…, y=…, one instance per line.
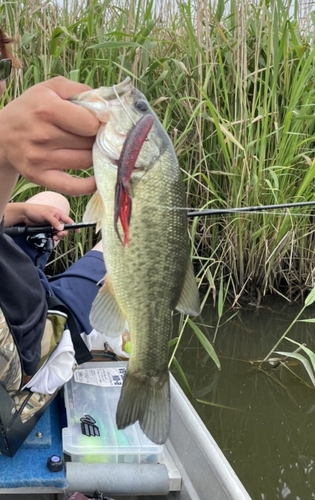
x=8, y=179
x=14, y=213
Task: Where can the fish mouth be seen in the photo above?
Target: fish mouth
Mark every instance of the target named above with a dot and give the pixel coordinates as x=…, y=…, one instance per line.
x=103, y=93
x=100, y=101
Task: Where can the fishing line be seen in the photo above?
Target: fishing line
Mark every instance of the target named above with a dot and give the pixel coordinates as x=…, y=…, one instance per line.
x=123, y=106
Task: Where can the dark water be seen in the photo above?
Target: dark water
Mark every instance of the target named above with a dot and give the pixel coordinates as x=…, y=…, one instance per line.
x=268, y=435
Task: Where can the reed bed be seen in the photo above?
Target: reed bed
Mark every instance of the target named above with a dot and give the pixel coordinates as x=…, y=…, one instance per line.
x=234, y=85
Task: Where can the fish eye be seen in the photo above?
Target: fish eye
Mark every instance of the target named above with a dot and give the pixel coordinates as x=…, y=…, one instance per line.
x=142, y=105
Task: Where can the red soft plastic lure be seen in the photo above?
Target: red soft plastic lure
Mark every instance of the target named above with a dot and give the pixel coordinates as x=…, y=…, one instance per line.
x=126, y=164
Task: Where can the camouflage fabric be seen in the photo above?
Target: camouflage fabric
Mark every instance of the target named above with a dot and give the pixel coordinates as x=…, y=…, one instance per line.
x=20, y=408
x=28, y=403
x=10, y=363
x=11, y=376
x=55, y=325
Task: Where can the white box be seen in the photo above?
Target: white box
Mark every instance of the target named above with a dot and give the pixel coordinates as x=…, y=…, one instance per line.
x=91, y=399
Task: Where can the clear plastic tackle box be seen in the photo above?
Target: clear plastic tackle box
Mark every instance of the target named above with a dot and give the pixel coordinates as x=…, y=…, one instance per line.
x=91, y=435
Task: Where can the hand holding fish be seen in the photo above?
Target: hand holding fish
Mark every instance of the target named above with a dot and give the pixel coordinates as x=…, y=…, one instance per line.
x=42, y=134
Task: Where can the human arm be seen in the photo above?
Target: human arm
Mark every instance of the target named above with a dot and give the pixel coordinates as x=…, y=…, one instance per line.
x=35, y=214
x=42, y=134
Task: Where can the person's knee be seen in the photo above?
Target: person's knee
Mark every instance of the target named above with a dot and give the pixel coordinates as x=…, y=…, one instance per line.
x=51, y=198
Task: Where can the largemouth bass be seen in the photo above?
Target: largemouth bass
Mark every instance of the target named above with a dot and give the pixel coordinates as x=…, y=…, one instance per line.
x=150, y=275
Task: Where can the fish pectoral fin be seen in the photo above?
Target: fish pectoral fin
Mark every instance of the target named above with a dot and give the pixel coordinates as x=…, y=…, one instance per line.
x=106, y=316
x=189, y=299
x=94, y=211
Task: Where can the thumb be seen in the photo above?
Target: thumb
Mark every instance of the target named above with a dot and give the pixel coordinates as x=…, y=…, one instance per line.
x=55, y=222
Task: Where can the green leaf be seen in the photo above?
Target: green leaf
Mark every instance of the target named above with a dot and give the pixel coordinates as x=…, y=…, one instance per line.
x=173, y=341
x=23, y=187
x=220, y=297
x=310, y=298
x=301, y=359
x=182, y=375
x=308, y=351
x=217, y=405
x=220, y=10
x=113, y=45
x=205, y=343
x=74, y=75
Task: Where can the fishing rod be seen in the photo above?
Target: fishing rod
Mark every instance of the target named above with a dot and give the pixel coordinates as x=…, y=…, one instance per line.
x=49, y=230
x=40, y=237
x=257, y=208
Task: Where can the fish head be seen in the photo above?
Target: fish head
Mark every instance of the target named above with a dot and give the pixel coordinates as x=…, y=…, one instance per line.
x=119, y=108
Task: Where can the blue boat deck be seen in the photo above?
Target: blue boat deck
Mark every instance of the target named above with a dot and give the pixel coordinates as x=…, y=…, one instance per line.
x=28, y=468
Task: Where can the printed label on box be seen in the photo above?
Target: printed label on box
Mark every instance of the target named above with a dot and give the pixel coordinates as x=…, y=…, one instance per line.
x=102, y=377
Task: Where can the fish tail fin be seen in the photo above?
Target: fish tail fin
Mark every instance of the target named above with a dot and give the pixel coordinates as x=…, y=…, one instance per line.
x=146, y=399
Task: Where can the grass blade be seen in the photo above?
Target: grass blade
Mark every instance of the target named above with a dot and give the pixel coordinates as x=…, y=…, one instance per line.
x=302, y=360
x=205, y=343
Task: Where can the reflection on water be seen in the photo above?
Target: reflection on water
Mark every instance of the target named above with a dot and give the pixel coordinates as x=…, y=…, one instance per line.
x=269, y=436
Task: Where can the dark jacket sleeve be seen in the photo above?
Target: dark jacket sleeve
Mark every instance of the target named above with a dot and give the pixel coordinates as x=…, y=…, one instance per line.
x=23, y=301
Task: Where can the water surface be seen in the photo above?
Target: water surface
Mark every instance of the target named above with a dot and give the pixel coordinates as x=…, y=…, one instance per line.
x=268, y=435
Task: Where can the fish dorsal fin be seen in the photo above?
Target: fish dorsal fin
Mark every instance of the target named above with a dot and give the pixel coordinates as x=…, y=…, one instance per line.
x=189, y=299
x=94, y=210
x=106, y=316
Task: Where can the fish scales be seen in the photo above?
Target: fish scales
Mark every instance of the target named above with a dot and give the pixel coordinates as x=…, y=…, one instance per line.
x=148, y=275
x=152, y=275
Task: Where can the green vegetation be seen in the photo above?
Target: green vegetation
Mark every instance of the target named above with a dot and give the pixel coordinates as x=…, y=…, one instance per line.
x=234, y=85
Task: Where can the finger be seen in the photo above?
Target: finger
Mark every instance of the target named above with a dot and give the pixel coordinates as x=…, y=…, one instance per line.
x=65, y=183
x=75, y=119
x=65, y=114
x=60, y=235
x=39, y=160
x=63, y=218
x=70, y=117
x=64, y=87
x=57, y=138
x=54, y=221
